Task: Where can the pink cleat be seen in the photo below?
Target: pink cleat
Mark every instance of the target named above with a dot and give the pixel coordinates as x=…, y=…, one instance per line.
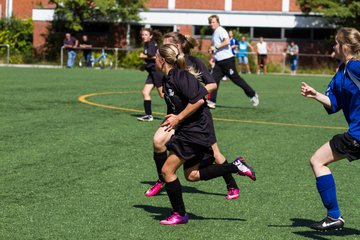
x=175, y=219
x=243, y=168
x=233, y=193
x=154, y=190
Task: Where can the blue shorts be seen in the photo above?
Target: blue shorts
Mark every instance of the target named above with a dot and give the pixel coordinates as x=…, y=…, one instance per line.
x=243, y=59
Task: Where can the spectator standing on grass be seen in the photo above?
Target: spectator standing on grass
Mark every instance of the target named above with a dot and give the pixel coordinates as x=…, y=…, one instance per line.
x=154, y=78
x=262, y=50
x=242, y=54
x=188, y=114
x=87, y=45
x=225, y=63
x=343, y=93
x=293, y=51
x=70, y=43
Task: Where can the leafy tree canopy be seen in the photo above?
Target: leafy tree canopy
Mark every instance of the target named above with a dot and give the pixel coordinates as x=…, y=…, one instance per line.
x=76, y=12
x=341, y=12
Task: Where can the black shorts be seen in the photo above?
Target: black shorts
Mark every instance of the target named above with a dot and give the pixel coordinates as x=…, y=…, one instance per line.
x=192, y=153
x=155, y=77
x=346, y=145
x=262, y=59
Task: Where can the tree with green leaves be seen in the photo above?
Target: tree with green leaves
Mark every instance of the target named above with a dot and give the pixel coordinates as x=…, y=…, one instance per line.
x=74, y=13
x=341, y=12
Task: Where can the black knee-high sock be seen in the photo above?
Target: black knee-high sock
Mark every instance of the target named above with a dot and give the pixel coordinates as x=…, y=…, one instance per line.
x=147, y=106
x=229, y=179
x=160, y=159
x=216, y=170
x=174, y=192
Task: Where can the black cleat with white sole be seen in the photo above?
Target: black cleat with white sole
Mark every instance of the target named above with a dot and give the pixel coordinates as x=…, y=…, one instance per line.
x=329, y=223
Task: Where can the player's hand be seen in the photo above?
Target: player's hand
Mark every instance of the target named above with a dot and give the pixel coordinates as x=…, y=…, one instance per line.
x=142, y=55
x=308, y=91
x=171, y=122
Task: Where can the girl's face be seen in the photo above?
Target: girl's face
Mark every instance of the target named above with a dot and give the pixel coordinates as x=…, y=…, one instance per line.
x=146, y=37
x=338, y=51
x=159, y=61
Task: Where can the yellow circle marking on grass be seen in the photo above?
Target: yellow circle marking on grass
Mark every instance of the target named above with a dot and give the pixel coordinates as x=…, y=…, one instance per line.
x=83, y=99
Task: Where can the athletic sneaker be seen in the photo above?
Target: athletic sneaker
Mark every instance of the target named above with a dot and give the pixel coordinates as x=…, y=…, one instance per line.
x=211, y=104
x=329, y=223
x=243, y=168
x=255, y=100
x=175, y=219
x=233, y=193
x=146, y=118
x=154, y=190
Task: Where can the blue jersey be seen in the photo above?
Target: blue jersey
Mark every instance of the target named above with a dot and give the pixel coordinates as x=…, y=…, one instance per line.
x=243, y=47
x=344, y=94
x=233, y=42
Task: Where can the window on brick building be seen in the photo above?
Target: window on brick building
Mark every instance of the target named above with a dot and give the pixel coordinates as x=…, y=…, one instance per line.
x=320, y=34
x=298, y=33
x=267, y=32
x=202, y=30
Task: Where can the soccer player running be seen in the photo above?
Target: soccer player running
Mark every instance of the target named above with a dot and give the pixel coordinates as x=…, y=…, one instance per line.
x=343, y=93
x=161, y=137
x=191, y=119
x=154, y=78
x=225, y=63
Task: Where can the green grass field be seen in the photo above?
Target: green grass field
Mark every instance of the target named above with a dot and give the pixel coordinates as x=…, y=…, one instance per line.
x=72, y=170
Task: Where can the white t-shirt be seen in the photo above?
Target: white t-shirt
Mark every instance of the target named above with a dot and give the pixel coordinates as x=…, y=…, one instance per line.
x=261, y=48
x=217, y=38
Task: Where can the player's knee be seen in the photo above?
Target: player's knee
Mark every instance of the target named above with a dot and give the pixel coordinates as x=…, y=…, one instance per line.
x=192, y=176
x=314, y=162
x=158, y=143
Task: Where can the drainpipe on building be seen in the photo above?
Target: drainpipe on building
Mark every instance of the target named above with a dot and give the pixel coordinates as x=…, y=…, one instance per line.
x=9, y=8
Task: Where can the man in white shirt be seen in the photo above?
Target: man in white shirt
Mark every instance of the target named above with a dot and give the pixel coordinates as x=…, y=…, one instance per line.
x=225, y=62
x=262, y=51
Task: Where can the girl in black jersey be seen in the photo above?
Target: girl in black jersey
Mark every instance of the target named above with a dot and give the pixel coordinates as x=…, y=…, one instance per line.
x=161, y=136
x=191, y=119
x=154, y=78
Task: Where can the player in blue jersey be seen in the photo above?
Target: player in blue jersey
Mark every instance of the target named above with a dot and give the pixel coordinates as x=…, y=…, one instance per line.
x=343, y=93
x=233, y=43
x=161, y=137
x=243, y=47
x=189, y=116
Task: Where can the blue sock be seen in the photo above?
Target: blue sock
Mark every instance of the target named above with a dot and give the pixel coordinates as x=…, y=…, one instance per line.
x=327, y=190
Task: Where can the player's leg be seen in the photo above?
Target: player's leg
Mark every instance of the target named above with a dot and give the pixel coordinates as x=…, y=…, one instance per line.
x=239, y=81
x=326, y=187
x=174, y=191
x=146, y=91
x=194, y=173
x=217, y=74
x=161, y=137
x=265, y=59
x=233, y=189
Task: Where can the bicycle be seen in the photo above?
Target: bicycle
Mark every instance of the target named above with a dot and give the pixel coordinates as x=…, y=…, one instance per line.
x=103, y=61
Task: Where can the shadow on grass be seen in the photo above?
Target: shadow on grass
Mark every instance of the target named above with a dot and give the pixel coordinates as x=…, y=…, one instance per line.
x=160, y=213
x=186, y=189
x=312, y=234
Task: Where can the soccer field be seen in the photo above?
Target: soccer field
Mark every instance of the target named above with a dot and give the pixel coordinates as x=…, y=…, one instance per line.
x=74, y=169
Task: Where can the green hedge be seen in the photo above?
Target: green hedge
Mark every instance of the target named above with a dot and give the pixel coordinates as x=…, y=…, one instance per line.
x=18, y=34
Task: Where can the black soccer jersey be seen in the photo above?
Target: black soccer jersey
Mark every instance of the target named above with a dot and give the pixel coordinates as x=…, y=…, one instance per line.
x=180, y=89
x=195, y=62
x=150, y=49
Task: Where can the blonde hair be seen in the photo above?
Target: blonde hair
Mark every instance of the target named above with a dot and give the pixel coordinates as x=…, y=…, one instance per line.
x=173, y=57
x=349, y=40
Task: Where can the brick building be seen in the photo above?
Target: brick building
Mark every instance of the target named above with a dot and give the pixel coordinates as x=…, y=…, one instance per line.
x=276, y=20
